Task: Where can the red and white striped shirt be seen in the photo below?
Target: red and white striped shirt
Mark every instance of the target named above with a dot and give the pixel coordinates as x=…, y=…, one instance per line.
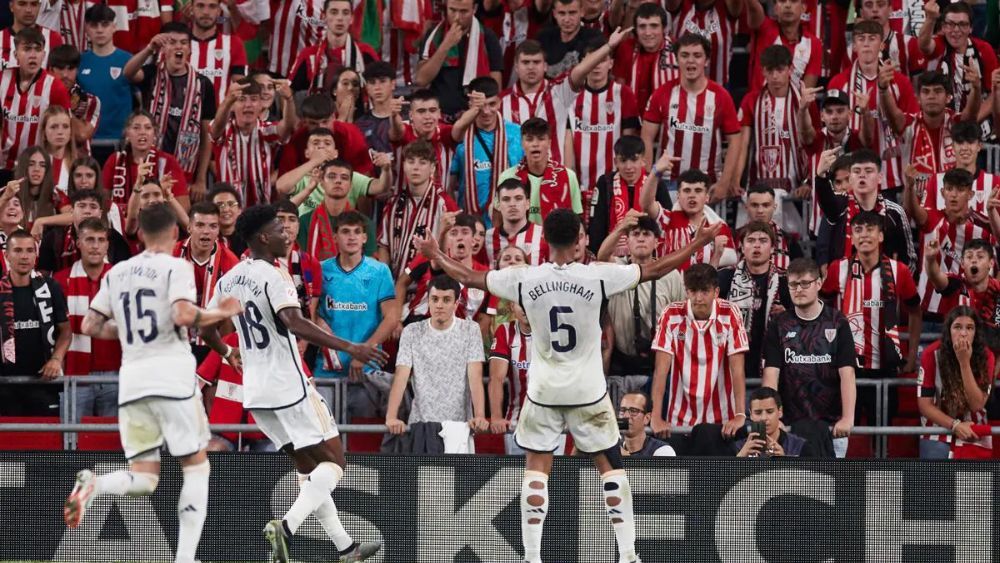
x=245, y=160
x=296, y=25
x=951, y=239
x=85, y=355
x=217, y=58
x=530, y=239
x=718, y=27
x=138, y=21
x=596, y=122
x=692, y=125
x=776, y=149
x=982, y=188
x=552, y=102
x=866, y=303
x=22, y=111
x=514, y=347
x=444, y=149
x=403, y=215
x=807, y=53
x=7, y=58
x=931, y=387
x=900, y=48
x=678, y=233
x=701, y=385
x=70, y=21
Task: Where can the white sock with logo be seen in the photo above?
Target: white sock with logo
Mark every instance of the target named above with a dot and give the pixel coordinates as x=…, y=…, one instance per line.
x=192, y=507
x=618, y=504
x=534, y=507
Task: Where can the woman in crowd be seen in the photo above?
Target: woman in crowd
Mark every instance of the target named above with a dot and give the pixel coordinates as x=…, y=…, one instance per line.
x=34, y=169
x=57, y=140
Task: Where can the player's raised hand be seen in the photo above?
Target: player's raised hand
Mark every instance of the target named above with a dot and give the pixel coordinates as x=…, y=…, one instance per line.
x=382, y=159
x=368, y=354
x=230, y=306
x=886, y=73
x=396, y=105
x=932, y=250
x=807, y=96
x=971, y=75
x=731, y=426
x=630, y=220
x=665, y=164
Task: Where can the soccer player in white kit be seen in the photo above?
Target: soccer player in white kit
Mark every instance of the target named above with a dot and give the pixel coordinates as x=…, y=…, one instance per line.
x=566, y=385
x=285, y=405
x=145, y=302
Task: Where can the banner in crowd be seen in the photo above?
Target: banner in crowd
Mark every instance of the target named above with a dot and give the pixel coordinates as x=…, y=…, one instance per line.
x=465, y=509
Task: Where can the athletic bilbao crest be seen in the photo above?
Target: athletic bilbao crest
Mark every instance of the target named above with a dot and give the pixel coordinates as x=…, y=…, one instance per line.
x=830, y=334
x=219, y=54
x=609, y=108
x=769, y=156
x=115, y=71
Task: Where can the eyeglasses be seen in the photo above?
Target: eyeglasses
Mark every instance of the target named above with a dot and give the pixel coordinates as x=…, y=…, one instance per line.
x=804, y=284
x=630, y=411
x=956, y=25
x=227, y=204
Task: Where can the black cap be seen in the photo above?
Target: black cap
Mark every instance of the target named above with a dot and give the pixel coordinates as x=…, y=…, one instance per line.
x=836, y=97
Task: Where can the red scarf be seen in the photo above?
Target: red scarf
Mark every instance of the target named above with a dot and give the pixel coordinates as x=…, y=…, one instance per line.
x=317, y=65
x=553, y=191
x=477, y=62
x=124, y=178
x=189, y=131
x=664, y=70
x=924, y=156
x=321, y=243
x=499, y=164
x=404, y=221
x=620, y=205
x=853, y=209
x=78, y=358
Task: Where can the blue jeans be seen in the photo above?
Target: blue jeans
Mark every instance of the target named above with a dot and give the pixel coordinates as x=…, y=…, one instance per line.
x=96, y=399
x=932, y=449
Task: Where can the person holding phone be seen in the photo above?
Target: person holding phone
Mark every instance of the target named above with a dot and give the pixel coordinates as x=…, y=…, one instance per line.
x=765, y=437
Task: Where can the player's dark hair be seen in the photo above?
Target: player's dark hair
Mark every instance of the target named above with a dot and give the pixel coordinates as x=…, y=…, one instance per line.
x=930, y=78
x=648, y=10
x=29, y=36
x=420, y=149
x=980, y=244
x=255, y=218
x=868, y=219
x=99, y=13
x=336, y=163
x=320, y=132
x=760, y=188
x=689, y=39
x=535, y=127
x=866, y=27
x=528, y=47
x=759, y=227
x=64, y=56
x=561, y=228
x=959, y=178
x=966, y=131
x=567, y=1
x=317, y=107
x=224, y=188
x=775, y=57
x=866, y=156
x=176, y=27
x=285, y=205
x=630, y=146
x=204, y=207
x=92, y=224
x=378, y=70
x=485, y=85
x=512, y=184
x=443, y=282
x=693, y=176
x=647, y=223
x=802, y=267
x=350, y=218
x=157, y=218
x=701, y=277
x=765, y=393
x=83, y=195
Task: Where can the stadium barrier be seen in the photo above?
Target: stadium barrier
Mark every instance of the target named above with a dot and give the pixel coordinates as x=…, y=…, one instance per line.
x=466, y=509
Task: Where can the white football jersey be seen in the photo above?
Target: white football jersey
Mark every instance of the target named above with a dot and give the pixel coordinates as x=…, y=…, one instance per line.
x=563, y=305
x=138, y=295
x=273, y=376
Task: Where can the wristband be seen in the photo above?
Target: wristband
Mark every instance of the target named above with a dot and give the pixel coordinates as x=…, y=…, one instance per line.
x=741, y=414
x=228, y=354
x=859, y=110
x=658, y=173
x=954, y=424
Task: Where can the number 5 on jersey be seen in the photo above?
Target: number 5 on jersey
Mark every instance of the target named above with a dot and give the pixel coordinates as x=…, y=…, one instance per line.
x=555, y=327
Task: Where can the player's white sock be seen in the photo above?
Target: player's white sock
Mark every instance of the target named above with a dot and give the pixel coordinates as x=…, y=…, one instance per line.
x=126, y=483
x=327, y=515
x=312, y=492
x=192, y=507
x=534, y=506
x=618, y=503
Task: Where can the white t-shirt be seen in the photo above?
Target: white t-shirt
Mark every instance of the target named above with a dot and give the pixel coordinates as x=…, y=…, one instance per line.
x=138, y=294
x=563, y=306
x=273, y=376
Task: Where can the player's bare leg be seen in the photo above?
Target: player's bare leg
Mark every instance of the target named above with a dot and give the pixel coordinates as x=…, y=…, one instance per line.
x=534, y=503
x=320, y=468
x=618, y=502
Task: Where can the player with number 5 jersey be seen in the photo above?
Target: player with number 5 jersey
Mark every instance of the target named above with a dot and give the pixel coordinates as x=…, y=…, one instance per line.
x=567, y=391
x=284, y=403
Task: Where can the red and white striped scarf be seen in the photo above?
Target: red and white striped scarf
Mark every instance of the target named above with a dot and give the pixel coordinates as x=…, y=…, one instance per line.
x=852, y=304
x=620, y=206
x=78, y=299
x=123, y=178
x=923, y=155
x=213, y=267
x=776, y=141
x=477, y=62
x=664, y=70
x=320, y=61
x=189, y=130
x=71, y=23
x=499, y=164
x=405, y=214
x=247, y=163
x=553, y=191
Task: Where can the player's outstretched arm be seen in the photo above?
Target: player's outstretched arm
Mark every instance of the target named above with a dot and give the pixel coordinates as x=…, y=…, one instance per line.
x=186, y=313
x=456, y=270
x=96, y=325
x=661, y=267
x=307, y=330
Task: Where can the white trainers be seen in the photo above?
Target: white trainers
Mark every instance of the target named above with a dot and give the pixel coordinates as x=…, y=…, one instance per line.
x=79, y=499
x=361, y=552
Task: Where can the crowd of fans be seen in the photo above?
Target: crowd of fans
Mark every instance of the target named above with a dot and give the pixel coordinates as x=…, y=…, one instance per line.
x=849, y=146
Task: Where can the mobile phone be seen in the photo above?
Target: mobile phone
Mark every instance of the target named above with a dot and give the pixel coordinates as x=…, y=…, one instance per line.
x=421, y=231
x=759, y=428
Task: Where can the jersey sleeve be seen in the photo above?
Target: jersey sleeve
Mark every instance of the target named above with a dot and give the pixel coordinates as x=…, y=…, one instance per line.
x=181, y=285
x=738, y=340
x=664, y=339
x=504, y=283
x=500, y=349
x=60, y=311
x=846, y=353
x=906, y=287
x=386, y=287
x=404, y=356
x=101, y=303
x=209, y=369
x=281, y=292
x=745, y=114
x=831, y=285
x=619, y=277
x=774, y=353
x=727, y=113
x=927, y=373
x=654, y=111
